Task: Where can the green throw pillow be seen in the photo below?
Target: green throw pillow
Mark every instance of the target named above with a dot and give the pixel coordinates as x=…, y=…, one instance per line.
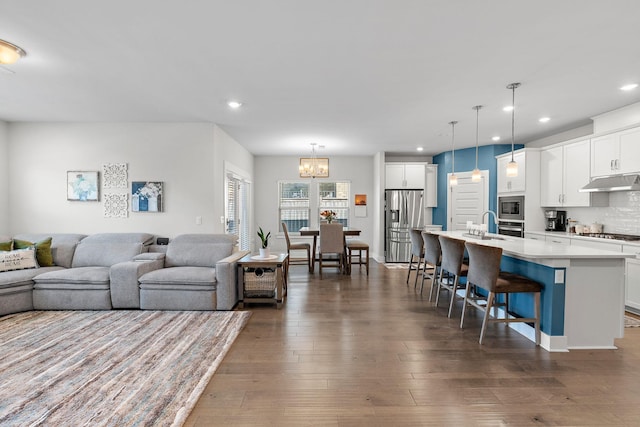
x=43, y=250
x=6, y=246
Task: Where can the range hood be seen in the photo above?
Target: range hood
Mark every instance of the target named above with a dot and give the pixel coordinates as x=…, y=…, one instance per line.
x=613, y=183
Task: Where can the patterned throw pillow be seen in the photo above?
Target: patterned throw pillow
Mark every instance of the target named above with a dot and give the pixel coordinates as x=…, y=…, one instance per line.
x=6, y=246
x=19, y=259
x=43, y=250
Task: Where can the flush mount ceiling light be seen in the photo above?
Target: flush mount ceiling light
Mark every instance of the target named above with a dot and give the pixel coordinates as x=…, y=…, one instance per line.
x=630, y=86
x=419, y=148
x=453, y=179
x=495, y=138
x=508, y=108
x=476, y=176
x=544, y=119
x=234, y=104
x=512, y=166
x=313, y=167
x=10, y=53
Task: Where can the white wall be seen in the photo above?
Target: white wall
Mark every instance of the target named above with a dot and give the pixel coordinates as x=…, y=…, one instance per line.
x=4, y=179
x=185, y=156
x=271, y=169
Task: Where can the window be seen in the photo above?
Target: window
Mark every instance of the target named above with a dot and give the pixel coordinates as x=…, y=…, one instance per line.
x=334, y=196
x=298, y=199
x=294, y=205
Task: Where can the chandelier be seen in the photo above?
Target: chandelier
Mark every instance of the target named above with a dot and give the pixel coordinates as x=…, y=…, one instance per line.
x=314, y=167
x=10, y=53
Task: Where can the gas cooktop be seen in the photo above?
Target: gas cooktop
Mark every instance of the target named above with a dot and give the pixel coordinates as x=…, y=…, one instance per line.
x=612, y=236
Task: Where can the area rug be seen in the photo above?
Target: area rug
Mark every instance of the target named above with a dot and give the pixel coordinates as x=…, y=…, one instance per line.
x=115, y=368
x=631, y=322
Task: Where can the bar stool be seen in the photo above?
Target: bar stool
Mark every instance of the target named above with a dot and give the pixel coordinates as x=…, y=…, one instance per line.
x=360, y=246
x=452, y=264
x=484, y=272
x=417, y=251
x=432, y=257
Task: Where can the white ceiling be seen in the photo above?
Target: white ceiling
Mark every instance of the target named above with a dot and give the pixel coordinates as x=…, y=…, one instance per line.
x=358, y=76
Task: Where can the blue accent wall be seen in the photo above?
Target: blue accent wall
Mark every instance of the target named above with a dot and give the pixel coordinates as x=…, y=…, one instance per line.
x=466, y=161
x=552, y=296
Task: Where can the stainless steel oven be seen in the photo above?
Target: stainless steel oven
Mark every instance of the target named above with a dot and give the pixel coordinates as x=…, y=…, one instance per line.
x=511, y=228
x=511, y=208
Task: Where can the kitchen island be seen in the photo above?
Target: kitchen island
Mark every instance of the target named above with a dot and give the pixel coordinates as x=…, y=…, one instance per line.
x=582, y=296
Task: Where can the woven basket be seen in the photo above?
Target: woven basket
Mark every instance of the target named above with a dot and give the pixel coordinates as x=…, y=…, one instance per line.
x=260, y=282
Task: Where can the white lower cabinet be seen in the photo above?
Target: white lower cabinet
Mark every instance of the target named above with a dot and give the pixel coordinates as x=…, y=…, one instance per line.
x=632, y=284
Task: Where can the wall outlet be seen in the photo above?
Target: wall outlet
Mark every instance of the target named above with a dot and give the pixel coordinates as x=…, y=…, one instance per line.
x=222, y=219
x=198, y=220
x=559, y=279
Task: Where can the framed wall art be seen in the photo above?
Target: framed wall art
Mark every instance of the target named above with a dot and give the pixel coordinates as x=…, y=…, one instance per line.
x=83, y=186
x=146, y=196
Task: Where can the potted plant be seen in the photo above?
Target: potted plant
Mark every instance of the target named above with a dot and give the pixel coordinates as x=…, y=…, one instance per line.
x=264, y=250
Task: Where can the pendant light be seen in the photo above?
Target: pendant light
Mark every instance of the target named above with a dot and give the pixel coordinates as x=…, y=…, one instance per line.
x=476, y=176
x=512, y=166
x=453, y=179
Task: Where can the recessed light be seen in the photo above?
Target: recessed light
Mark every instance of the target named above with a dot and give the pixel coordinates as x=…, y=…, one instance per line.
x=544, y=119
x=495, y=138
x=234, y=104
x=419, y=148
x=508, y=108
x=630, y=86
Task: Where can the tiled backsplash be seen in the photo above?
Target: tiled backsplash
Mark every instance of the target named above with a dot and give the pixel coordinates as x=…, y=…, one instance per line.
x=622, y=216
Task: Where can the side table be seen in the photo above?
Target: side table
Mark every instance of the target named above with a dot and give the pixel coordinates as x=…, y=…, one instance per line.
x=263, y=279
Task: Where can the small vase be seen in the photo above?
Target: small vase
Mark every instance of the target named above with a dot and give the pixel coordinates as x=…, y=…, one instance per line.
x=264, y=253
x=329, y=219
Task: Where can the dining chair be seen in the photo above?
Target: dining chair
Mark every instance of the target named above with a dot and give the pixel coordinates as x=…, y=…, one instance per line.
x=360, y=247
x=417, y=252
x=332, y=245
x=432, y=257
x=484, y=272
x=452, y=268
x=297, y=247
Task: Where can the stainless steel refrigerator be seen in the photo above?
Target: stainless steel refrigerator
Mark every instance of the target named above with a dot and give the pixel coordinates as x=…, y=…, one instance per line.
x=404, y=209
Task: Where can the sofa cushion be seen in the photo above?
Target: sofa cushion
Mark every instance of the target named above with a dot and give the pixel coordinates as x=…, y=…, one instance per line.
x=43, y=250
x=199, y=250
x=106, y=249
x=19, y=259
x=62, y=246
x=80, y=275
x=180, y=276
x=14, y=278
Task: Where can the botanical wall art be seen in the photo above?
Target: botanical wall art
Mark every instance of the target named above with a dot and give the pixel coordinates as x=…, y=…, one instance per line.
x=114, y=175
x=116, y=205
x=146, y=196
x=82, y=186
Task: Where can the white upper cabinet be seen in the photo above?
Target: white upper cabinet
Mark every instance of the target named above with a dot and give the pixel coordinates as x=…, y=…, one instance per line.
x=431, y=188
x=616, y=153
x=516, y=184
x=405, y=176
x=552, y=176
x=564, y=170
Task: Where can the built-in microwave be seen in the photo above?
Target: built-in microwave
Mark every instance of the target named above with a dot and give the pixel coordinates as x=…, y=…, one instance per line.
x=511, y=208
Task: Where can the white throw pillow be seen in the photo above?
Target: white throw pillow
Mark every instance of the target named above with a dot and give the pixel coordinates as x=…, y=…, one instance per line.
x=19, y=259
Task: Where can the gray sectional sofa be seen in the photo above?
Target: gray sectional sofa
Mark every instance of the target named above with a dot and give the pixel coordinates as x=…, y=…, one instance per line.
x=126, y=271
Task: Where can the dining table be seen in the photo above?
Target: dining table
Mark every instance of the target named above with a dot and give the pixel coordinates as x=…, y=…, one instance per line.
x=315, y=232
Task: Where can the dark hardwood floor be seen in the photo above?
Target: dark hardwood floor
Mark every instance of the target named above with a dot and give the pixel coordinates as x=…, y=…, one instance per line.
x=371, y=351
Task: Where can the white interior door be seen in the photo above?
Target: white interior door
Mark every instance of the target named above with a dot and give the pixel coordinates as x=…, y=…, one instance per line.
x=467, y=200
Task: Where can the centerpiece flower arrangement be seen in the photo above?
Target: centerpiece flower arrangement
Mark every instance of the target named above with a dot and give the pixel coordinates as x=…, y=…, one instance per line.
x=328, y=215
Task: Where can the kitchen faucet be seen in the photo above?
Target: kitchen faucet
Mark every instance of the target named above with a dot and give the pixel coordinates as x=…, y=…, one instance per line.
x=495, y=218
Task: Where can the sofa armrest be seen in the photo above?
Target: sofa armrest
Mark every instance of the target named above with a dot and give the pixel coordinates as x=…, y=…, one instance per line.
x=150, y=256
x=125, y=289
x=226, y=277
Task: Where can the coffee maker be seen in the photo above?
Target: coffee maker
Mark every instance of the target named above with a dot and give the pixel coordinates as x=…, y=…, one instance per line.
x=555, y=220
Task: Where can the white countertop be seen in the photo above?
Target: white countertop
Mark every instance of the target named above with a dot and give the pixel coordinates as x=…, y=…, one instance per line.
x=536, y=249
x=573, y=236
